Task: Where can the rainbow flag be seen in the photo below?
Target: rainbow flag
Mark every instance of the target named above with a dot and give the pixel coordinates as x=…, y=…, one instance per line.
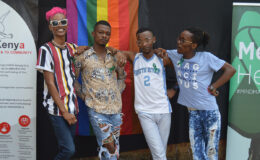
x=123, y=18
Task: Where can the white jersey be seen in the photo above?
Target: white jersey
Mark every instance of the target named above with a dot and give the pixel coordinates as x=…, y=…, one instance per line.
x=150, y=85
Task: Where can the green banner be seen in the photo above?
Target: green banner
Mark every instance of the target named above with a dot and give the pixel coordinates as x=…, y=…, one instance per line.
x=244, y=97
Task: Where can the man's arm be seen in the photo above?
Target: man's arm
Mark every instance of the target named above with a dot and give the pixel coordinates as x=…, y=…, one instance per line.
x=128, y=54
x=49, y=79
x=78, y=89
x=167, y=61
x=162, y=53
x=77, y=85
x=81, y=49
x=121, y=75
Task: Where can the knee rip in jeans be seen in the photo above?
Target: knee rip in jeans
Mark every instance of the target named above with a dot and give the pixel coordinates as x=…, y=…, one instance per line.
x=109, y=143
x=212, y=150
x=108, y=148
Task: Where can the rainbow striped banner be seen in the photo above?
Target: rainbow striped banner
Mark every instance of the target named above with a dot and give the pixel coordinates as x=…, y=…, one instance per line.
x=123, y=18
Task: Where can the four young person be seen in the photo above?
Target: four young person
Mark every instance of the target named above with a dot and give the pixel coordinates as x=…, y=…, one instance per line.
x=103, y=81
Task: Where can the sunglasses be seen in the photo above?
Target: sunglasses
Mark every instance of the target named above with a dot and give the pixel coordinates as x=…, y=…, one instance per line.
x=62, y=22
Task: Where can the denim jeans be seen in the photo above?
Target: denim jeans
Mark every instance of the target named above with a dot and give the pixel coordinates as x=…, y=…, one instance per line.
x=65, y=136
x=156, y=129
x=204, y=131
x=108, y=133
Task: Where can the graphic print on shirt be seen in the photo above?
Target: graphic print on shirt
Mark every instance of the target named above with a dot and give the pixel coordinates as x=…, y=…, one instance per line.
x=187, y=74
x=143, y=70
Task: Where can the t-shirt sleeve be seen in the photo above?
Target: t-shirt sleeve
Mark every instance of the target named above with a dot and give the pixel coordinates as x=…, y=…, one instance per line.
x=173, y=55
x=214, y=62
x=45, y=61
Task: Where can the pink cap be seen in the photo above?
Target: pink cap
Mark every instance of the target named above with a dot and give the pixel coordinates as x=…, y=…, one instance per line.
x=54, y=11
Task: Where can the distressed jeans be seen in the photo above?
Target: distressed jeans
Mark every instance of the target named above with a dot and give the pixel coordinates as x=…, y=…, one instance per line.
x=204, y=132
x=108, y=133
x=65, y=136
x=156, y=129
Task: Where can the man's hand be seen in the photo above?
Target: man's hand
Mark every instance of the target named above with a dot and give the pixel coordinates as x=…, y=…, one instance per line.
x=171, y=93
x=213, y=91
x=70, y=118
x=113, y=51
x=160, y=52
x=121, y=59
x=81, y=49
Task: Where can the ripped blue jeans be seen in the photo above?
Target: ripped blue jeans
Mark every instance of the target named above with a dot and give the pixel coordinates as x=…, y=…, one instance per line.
x=107, y=130
x=204, y=132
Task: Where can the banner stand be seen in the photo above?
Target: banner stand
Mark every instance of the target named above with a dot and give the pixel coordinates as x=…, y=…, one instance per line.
x=17, y=87
x=243, y=137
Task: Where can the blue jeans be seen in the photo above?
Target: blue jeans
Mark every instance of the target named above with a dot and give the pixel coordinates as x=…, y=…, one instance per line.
x=65, y=136
x=204, y=131
x=107, y=133
x=156, y=129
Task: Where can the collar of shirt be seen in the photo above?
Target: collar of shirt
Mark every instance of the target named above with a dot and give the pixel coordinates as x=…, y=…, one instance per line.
x=92, y=51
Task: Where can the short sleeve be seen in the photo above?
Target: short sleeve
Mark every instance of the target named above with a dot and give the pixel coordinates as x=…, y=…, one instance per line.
x=214, y=62
x=45, y=60
x=174, y=56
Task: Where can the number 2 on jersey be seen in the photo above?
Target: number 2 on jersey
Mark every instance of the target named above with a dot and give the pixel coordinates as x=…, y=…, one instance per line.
x=146, y=80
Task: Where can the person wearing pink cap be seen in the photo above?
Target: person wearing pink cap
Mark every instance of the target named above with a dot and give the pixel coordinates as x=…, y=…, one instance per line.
x=56, y=62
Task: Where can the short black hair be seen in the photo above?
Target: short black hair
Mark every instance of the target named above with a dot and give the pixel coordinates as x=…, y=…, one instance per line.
x=102, y=22
x=141, y=30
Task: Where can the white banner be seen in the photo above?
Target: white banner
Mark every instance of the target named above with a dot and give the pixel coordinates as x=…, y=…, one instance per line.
x=17, y=87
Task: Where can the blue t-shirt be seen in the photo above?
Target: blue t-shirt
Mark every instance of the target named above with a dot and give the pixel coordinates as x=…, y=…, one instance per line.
x=194, y=76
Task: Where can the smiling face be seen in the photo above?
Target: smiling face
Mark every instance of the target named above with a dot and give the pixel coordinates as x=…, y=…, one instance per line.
x=145, y=41
x=101, y=34
x=185, y=45
x=60, y=30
